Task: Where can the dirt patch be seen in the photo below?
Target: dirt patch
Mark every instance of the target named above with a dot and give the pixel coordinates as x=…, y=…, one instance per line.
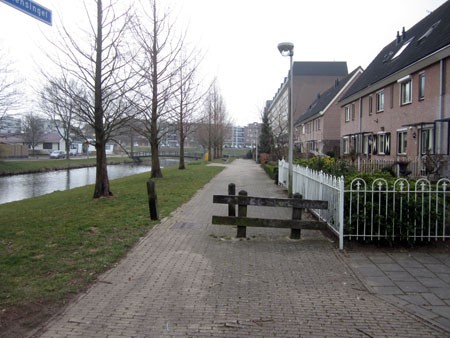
x=21, y=321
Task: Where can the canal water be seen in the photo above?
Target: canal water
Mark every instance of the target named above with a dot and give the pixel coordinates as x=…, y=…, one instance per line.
x=19, y=187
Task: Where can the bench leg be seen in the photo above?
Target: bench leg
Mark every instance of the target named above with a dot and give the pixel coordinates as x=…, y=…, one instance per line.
x=241, y=232
x=295, y=234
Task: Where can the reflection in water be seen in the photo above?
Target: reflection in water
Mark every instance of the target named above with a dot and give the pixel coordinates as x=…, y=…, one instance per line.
x=19, y=187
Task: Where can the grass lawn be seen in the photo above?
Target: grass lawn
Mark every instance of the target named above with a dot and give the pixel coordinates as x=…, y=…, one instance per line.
x=54, y=246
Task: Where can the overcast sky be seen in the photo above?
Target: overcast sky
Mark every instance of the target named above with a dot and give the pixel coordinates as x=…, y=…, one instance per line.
x=239, y=38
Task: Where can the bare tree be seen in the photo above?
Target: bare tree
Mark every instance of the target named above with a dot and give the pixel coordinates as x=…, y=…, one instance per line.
x=100, y=65
x=216, y=122
x=160, y=46
x=187, y=100
x=60, y=107
x=9, y=94
x=33, y=130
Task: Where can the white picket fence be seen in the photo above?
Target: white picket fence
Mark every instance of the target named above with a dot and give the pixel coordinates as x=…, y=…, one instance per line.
x=415, y=212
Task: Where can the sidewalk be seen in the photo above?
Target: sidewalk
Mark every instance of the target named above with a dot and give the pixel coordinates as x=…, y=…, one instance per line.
x=188, y=278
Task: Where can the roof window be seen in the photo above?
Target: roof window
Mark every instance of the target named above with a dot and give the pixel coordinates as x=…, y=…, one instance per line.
x=402, y=48
x=428, y=32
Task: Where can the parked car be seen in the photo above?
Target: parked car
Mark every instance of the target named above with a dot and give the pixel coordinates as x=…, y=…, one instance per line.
x=58, y=154
x=73, y=152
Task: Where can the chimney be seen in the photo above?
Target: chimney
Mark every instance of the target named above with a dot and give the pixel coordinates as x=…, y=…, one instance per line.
x=398, y=37
x=403, y=34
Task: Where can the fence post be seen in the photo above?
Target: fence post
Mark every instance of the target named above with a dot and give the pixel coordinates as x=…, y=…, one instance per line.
x=296, y=214
x=152, y=200
x=231, y=206
x=341, y=212
x=242, y=212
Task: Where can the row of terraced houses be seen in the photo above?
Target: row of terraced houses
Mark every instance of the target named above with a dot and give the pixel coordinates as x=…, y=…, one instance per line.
x=397, y=109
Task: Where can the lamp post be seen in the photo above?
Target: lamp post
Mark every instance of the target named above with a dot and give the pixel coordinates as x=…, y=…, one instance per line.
x=287, y=49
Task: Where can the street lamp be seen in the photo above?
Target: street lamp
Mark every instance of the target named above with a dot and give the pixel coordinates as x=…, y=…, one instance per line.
x=287, y=49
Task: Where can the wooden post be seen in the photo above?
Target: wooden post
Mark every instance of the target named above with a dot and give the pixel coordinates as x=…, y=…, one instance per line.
x=296, y=214
x=152, y=200
x=231, y=192
x=242, y=212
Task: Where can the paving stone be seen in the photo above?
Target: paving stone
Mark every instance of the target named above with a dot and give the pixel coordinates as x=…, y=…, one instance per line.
x=391, y=267
x=400, y=276
x=380, y=258
x=421, y=272
x=189, y=278
x=411, y=286
x=433, y=282
x=388, y=290
x=432, y=299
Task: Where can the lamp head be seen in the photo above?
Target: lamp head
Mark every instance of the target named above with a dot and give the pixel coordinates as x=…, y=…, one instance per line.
x=286, y=48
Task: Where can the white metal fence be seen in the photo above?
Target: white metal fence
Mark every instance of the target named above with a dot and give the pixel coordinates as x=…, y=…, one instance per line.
x=402, y=210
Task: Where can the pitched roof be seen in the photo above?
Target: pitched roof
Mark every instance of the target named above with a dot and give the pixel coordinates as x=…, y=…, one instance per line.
x=425, y=38
x=325, y=98
x=320, y=68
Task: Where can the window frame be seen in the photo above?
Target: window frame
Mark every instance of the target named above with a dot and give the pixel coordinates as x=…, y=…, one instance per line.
x=421, y=86
x=346, y=145
x=370, y=105
x=380, y=101
x=406, y=89
x=426, y=141
x=347, y=113
x=402, y=141
x=383, y=142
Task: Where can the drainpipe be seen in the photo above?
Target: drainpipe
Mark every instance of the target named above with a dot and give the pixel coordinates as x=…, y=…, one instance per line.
x=441, y=106
x=359, y=134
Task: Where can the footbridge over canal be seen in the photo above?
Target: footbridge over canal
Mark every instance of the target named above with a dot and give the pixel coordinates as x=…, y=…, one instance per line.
x=140, y=155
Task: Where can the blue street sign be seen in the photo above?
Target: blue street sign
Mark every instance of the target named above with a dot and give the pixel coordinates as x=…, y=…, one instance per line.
x=31, y=8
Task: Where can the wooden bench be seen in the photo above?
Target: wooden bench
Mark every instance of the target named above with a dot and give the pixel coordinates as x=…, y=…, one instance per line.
x=242, y=200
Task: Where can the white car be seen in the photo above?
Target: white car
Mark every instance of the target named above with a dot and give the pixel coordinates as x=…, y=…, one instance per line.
x=58, y=154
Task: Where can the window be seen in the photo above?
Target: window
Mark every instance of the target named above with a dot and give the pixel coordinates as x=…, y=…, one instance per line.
x=367, y=144
x=402, y=48
x=347, y=114
x=380, y=101
x=383, y=144
x=402, y=136
x=346, y=145
x=405, y=92
x=353, y=112
x=426, y=141
x=370, y=105
x=47, y=145
x=318, y=124
x=421, y=86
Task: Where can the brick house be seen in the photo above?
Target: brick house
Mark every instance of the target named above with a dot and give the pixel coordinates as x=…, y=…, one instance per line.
x=399, y=108
x=310, y=78
x=318, y=128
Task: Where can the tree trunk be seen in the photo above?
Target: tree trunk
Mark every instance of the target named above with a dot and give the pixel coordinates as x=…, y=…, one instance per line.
x=154, y=145
x=181, y=165
x=156, y=166
x=101, y=179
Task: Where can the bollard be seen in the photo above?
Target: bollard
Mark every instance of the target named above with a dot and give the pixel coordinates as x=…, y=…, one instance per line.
x=231, y=192
x=242, y=212
x=152, y=200
x=296, y=214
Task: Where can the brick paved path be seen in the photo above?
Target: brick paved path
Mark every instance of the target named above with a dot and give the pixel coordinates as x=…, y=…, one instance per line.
x=188, y=278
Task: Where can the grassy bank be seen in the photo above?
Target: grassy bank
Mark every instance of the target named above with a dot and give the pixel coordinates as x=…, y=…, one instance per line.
x=55, y=245
x=41, y=165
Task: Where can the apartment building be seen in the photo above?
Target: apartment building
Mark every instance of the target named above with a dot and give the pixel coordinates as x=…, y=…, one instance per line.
x=318, y=128
x=309, y=79
x=399, y=108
